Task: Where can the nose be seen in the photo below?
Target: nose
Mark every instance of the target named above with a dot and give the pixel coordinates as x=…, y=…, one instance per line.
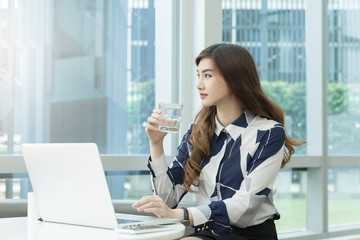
x=200, y=85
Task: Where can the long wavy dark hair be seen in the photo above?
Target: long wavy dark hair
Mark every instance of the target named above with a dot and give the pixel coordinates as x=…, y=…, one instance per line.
x=238, y=68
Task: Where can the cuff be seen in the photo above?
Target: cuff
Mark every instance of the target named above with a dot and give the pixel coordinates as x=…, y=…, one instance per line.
x=200, y=214
x=158, y=166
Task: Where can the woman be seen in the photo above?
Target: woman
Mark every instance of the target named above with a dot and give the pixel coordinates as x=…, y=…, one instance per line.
x=230, y=156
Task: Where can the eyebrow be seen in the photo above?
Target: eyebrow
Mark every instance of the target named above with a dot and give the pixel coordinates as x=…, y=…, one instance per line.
x=205, y=70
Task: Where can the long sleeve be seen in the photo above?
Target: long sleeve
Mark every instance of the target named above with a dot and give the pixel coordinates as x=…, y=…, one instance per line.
x=168, y=181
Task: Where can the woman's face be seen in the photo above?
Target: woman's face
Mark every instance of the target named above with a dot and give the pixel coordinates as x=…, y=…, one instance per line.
x=211, y=85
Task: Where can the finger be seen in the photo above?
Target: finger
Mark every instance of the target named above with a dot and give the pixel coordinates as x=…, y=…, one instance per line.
x=149, y=205
x=157, y=116
x=146, y=200
x=142, y=201
x=156, y=110
x=154, y=207
x=150, y=202
x=151, y=127
x=153, y=121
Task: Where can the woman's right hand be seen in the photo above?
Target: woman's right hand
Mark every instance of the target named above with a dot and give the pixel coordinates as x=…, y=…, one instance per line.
x=152, y=127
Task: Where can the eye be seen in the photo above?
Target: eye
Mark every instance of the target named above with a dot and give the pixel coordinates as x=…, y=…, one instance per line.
x=208, y=75
x=198, y=75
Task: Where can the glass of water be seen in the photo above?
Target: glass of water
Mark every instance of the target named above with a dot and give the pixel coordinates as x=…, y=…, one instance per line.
x=172, y=114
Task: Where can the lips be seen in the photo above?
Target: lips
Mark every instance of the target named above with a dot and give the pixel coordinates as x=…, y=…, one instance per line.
x=203, y=95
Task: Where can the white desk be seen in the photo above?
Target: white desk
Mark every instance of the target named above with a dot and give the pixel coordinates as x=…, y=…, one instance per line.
x=24, y=229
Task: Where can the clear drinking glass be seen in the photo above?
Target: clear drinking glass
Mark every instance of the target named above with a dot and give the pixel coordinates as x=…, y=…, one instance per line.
x=172, y=114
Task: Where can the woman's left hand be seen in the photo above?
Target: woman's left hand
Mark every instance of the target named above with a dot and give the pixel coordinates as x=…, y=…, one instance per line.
x=154, y=204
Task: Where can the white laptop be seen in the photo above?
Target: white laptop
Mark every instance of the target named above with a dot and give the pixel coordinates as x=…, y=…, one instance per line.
x=70, y=187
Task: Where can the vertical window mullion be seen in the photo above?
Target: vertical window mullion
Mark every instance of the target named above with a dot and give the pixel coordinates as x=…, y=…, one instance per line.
x=316, y=98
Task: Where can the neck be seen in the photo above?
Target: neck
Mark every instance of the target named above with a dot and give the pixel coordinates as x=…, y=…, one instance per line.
x=228, y=113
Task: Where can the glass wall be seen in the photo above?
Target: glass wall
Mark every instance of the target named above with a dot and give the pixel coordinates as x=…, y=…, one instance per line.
x=343, y=77
x=86, y=73
x=290, y=200
x=344, y=195
x=343, y=109
x=76, y=71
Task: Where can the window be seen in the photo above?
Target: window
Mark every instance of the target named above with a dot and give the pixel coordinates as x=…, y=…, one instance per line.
x=77, y=71
x=343, y=196
x=306, y=53
x=290, y=200
x=343, y=82
x=343, y=112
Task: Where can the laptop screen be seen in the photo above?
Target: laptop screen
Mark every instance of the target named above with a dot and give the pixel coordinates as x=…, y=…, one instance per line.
x=69, y=183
